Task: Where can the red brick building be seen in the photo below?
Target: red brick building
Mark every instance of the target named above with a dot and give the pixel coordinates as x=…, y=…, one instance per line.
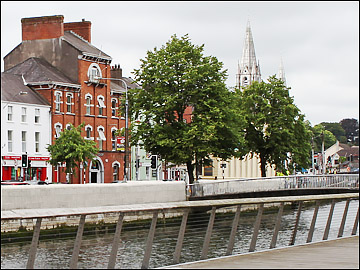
x=59, y=62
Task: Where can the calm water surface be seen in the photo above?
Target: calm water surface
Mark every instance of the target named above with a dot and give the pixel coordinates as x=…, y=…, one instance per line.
x=95, y=249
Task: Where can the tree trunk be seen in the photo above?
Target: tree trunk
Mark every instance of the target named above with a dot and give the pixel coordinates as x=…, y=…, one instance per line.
x=263, y=165
x=190, y=168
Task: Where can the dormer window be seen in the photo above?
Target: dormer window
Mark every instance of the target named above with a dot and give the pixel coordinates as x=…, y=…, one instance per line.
x=94, y=73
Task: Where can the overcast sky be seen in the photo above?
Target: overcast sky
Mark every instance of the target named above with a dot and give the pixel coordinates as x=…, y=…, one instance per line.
x=318, y=42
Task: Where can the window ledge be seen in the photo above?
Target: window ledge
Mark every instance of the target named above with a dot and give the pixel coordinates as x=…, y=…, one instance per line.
x=102, y=116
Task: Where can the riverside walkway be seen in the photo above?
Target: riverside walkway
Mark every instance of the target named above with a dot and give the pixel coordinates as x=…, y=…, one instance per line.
x=331, y=254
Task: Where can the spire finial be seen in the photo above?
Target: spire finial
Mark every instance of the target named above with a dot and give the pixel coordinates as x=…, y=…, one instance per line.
x=281, y=74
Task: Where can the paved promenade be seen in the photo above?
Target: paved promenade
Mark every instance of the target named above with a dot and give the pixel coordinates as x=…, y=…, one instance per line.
x=332, y=254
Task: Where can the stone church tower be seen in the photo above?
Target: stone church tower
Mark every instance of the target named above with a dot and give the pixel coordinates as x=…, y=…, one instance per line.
x=248, y=69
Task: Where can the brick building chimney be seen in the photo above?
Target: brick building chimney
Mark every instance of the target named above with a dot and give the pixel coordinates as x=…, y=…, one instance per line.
x=82, y=28
x=116, y=73
x=45, y=27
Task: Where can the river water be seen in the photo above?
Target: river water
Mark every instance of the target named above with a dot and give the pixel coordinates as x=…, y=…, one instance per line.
x=95, y=249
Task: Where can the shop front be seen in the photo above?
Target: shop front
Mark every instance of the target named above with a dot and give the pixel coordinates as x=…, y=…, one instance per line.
x=36, y=170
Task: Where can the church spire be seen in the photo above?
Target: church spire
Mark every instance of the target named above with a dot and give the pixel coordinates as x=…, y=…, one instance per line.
x=249, y=70
x=281, y=73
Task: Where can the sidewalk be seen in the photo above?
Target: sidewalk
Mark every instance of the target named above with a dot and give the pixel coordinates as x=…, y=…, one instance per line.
x=341, y=253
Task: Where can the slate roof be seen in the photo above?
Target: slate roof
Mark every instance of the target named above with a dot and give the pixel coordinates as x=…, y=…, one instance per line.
x=12, y=85
x=347, y=151
x=37, y=70
x=118, y=86
x=82, y=45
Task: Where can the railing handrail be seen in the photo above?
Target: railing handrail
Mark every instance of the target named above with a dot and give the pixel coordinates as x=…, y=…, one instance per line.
x=212, y=181
x=135, y=209
x=205, y=187
x=183, y=206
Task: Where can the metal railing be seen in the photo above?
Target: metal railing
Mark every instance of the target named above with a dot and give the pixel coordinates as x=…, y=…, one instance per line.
x=218, y=187
x=184, y=208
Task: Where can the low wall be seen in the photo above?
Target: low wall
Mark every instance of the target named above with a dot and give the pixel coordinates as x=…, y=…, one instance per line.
x=88, y=195
x=216, y=187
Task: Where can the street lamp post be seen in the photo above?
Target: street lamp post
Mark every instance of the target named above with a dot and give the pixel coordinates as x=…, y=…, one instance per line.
x=126, y=161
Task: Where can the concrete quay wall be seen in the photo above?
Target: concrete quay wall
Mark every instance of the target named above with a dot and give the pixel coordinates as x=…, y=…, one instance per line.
x=89, y=195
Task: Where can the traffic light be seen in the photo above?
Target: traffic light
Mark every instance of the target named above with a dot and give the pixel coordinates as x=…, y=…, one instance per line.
x=153, y=162
x=24, y=161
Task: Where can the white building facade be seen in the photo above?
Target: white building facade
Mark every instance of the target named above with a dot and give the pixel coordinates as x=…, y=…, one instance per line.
x=25, y=130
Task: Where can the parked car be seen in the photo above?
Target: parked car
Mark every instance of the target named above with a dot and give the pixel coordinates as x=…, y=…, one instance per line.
x=35, y=182
x=13, y=183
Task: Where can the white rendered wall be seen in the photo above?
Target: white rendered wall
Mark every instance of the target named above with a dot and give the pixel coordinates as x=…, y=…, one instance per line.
x=89, y=195
x=30, y=127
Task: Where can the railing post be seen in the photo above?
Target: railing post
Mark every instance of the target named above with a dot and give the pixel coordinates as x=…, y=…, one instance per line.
x=256, y=228
x=79, y=234
x=327, y=228
x=356, y=223
x=115, y=245
x=341, y=230
x=277, y=225
x=233, y=231
x=312, y=226
x=149, y=242
x=208, y=234
x=180, y=239
x=34, y=244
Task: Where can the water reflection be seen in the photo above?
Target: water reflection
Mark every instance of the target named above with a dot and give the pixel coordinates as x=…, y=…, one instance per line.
x=95, y=249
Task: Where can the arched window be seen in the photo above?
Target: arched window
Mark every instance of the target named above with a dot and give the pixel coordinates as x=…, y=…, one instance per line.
x=94, y=73
x=113, y=138
x=69, y=102
x=101, y=104
x=114, y=107
x=116, y=171
x=88, y=104
x=58, y=128
x=95, y=165
x=88, y=130
x=58, y=101
x=101, y=137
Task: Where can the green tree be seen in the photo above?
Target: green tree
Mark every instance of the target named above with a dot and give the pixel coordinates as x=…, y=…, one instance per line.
x=187, y=113
x=329, y=138
x=72, y=149
x=351, y=127
x=275, y=128
x=336, y=129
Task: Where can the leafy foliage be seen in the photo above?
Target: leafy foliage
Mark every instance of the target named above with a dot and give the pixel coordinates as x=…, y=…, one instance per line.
x=336, y=129
x=351, y=127
x=72, y=149
x=329, y=137
x=275, y=128
x=186, y=111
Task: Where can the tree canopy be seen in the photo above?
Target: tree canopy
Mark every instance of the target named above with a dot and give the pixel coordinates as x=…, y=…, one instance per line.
x=275, y=128
x=186, y=112
x=351, y=127
x=329, y=137
x=72, y=149
x=336, y=129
